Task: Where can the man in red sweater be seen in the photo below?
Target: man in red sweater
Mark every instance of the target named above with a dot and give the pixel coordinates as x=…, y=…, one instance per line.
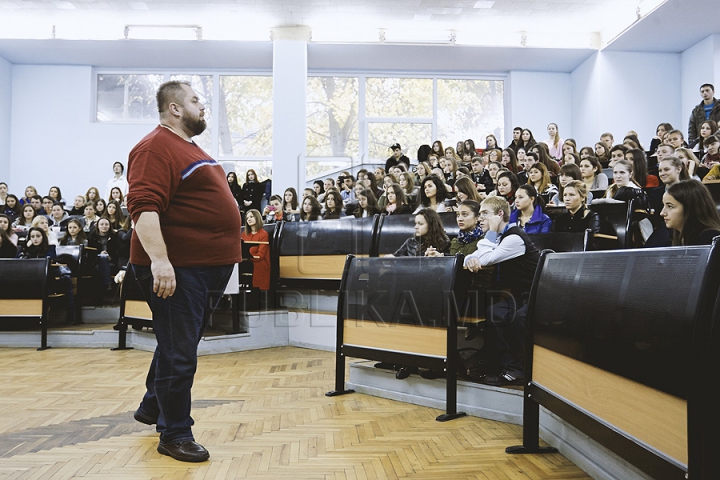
x=182, y=254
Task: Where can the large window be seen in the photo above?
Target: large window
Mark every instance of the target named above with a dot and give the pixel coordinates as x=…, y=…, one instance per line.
x=353, y=120
x=238, y=112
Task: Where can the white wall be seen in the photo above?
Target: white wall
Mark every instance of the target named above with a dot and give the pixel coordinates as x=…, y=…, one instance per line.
x=622, y=91
x=5, y=105
x=696, y=68
x=537, y=99
x=53, y=138
x=716, y=61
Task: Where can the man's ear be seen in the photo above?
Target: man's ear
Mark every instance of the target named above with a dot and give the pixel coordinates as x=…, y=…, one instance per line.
x=174, y=109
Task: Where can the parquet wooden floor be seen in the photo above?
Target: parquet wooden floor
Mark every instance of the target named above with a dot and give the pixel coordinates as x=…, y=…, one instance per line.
x=67, y=413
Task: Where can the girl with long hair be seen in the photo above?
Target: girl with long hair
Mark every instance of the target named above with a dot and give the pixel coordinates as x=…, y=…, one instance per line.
x=602, y=154
x=578, y=217
x=234, y=185
x=333, y=205
x=568, y=173
x=5, y=225
x=310, y=209
x=554, y=142
x=12, y=206
x=92, y=195
x=592, y=174
x=690, y=160
x=688, y=209
x=367, y=204
x=24, y=220
x=432, y=194
x=539, y=178
x=75, y=234
x=396, y=201
x=465, y=190
x=528, y=213
x=527, y=141
x=290, y=201
x=255, y=235
x=507, y=185
x=252, y=192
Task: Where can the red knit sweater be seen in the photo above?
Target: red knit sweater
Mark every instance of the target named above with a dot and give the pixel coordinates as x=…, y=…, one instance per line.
x=199, y=217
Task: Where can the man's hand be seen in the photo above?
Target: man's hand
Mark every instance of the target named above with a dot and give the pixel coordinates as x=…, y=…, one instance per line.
x=494, y=222
x=163, y=278
x=473, y=264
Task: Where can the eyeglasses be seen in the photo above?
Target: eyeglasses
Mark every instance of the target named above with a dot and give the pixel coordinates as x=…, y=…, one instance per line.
x=485, y=214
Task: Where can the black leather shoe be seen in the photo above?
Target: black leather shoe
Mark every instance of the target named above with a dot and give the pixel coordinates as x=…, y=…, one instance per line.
x=405, y=372
x=185, y=451
x=144, y=418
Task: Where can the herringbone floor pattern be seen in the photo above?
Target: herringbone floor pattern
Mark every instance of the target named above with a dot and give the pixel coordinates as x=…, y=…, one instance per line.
x=67, y=413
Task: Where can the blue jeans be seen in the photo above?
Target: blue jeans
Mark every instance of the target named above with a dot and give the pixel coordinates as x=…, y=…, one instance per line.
x=178, y=322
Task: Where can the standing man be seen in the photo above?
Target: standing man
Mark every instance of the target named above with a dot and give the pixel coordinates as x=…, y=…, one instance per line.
x=709, y=109
x=118, y=180
x=397, y=157
x=515, y=144
x=182, y=257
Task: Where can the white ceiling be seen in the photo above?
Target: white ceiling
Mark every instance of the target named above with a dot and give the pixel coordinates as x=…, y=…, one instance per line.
x=672, y=27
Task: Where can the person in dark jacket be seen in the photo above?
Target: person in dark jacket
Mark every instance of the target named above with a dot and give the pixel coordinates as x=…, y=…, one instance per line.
x=251, y=193
x=708, y=109
x=578, y=217
x=429, y=232
x=397, y=157
x=105, y=244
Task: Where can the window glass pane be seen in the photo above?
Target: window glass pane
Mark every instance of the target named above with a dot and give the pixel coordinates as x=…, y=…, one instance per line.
x=127, y=97
x=203, y=86
x=399, y=97
x=470, y=109
x=332, y=113
x=409, y=135
x=245, y=118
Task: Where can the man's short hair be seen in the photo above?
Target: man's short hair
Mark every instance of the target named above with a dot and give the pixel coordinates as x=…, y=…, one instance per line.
x=607, y=134
x=36, y=197
x=47, y=197
x=477, y=160
x=619, y=147
x=122, y=167
x=170, y=92
x=707, y=85
x=662, y=145
x=517, y=129
x=498, y=204
x=711, y=139
x=673, y=132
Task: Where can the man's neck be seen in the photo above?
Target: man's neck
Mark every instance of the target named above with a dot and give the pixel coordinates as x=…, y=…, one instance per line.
x=177, y=130
x=709, y=102
x=118, y=175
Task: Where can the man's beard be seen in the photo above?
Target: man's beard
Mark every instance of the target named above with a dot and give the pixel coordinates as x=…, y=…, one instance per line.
x=195, y=125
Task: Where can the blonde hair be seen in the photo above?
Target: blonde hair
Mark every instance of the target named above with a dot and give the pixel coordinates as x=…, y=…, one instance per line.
x=498, y=204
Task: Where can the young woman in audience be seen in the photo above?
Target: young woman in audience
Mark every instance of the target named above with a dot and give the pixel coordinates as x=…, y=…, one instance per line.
x=100, y=206
x=578, y=217
x=429, y=234
x=290, y=201
x=396, y=201
x=78, y=206
x=56, y=195
x=528, y=213
x=252, y=192
x=308, y=192
x=333, y=205
x=584, y=153
x=114, y=213
x=660, y=133
x=507, y=185
x=689, y=210
x=75, y=234
x=432, y=194
x=592, y=174
x=41, y=221
x=708, y=128
x=12, y=206
x=367, y=204
x=116, y=194
x=639, y=162
x=508, y=159
x=573, y=158
x=105, y=242
x=460, y=148
x=8, y=249
x=234, y=185
x=539, y=178
x=5, y=225
x=466, y=190
x=568, y=173
x=437, y=148
x=625, y=187
x=260, y=253
x=24, y=220
x=423, y=170
x=89, y=217
x=552, y=166
x=310, y=209
x=3, y=193
x=450, y=152
x=273, y=211
x=527, y=141
x=602, y=154
x=319, y=189
x=632, y=137
x=569, y=147
x=491, y=142
x=57, y=215
x=92, y=195
x=30, y=192
x=450, y=171
x=690, y=160
x=469, y=147
x=554, y=142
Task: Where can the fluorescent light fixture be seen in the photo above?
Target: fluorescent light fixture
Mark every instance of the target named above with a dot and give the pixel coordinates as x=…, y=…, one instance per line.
x=426, y=36
x=484, y=4
x=345, y=35
x=163, y=32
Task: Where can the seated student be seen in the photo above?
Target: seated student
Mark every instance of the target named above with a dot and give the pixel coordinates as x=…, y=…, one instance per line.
x=58, y=281
x=8, y=249
x=396, y=202
x=578, y=217
x=36, y=202
x=528, y=213
x=539, y=178
x=89, y=217
x=78, y=208
x=507, y=185
x=367, y=204
x=310, y=209
x=30, y=192
x=625, y=187
x=75, y=234
x=639, y=162
x=602, y=154
x=584, y=153
x=450, y=170
x=42, y=222
x=333, y=205
x=100, y=206
x=510, y=252
x=113, y=212
x=47, y=203
x=105, y=242
x=671, y=171
x=689, y=210
x=480, y=176
x=423, y=170
x=57, y=215
x=12, y=206
x=92, y=195
x=273, y=211
x=432, y=194
x=466, y=190
x=319, y=189
x=116, y=194
x=712, y=159
x=592, y=174
x=617, y=153
x=290, y=205
x=259, y=254
x=5, y=225
x=690, y=160
x=387, y=180
x=24, y=221
x=407, y=183
x=568, y=173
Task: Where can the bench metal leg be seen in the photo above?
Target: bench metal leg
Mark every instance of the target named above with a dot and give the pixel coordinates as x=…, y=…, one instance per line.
x=43, y=333
x=339, y=376
x=531, y=428
x=122, y=337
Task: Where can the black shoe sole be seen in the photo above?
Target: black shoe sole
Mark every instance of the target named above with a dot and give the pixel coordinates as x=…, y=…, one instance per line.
x=163, y=451
x=142, y=418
